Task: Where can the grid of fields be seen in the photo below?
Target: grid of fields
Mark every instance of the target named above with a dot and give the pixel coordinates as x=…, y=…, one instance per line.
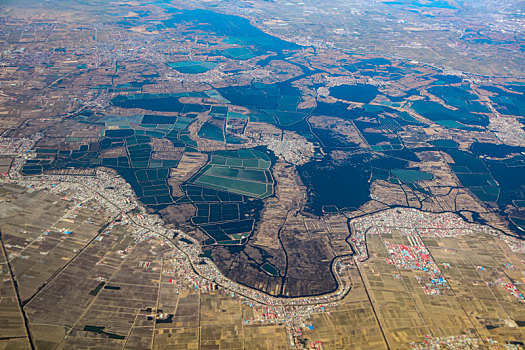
x=244, y=172
x=227, y=218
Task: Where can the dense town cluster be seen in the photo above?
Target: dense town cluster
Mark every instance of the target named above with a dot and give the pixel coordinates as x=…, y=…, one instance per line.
x=460, y=342
x=417, y=257
x=415, y=223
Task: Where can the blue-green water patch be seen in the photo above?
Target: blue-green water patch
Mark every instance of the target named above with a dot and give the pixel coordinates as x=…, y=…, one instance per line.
x=447, y=79
x=409, y=176
x=235, y=28
x=270, y=269
x=192, y=67
x=238, y=53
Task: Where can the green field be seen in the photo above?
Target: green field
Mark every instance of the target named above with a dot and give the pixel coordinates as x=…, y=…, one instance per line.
x=192, y=67
x=270, y=269
x=239, y=186
x=409, y=176
x=244, y=172
x=245, y=163
x=238, y=53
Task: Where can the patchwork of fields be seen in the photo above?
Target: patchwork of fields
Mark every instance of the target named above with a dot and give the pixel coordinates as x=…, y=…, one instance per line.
x=244, y=172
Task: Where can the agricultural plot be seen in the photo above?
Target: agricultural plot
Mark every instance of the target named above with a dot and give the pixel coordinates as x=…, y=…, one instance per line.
x=147, y=175
x=409, y=176
x=262, y=117
x=474, y=174
x=226, y=194
x=227, y=218
x=400, y=176
x=479, y=265
x=231, y=232
x=242, y=172
x=213, y=129
x=235, y=124
x=381, y=134
x=110, y=304
x=216, y=128
x=237, y=185
x=215, y=212
x=238, y=53
x=216, y=95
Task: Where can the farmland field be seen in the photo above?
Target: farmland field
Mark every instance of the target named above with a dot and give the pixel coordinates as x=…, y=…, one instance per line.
x=242, y=172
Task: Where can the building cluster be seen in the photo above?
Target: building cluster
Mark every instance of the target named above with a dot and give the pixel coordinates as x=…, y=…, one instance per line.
x=412, y=222
x=16, y=146
x=509, y=287
x=509, y=130
x=417, y=257
x=289, y=146
x=464, y=341
x=413, y=225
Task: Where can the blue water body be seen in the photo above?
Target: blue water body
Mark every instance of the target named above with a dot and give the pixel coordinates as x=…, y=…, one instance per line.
x=459, y=97
x=492, y=150
x=280, y=100
x=438, y=113
x=512, y=103
x=510, y=180
x=161, y=104
x=238, y=28
x=445, y=143
x=343, y=184
x=448, y=79
x=363, y=93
